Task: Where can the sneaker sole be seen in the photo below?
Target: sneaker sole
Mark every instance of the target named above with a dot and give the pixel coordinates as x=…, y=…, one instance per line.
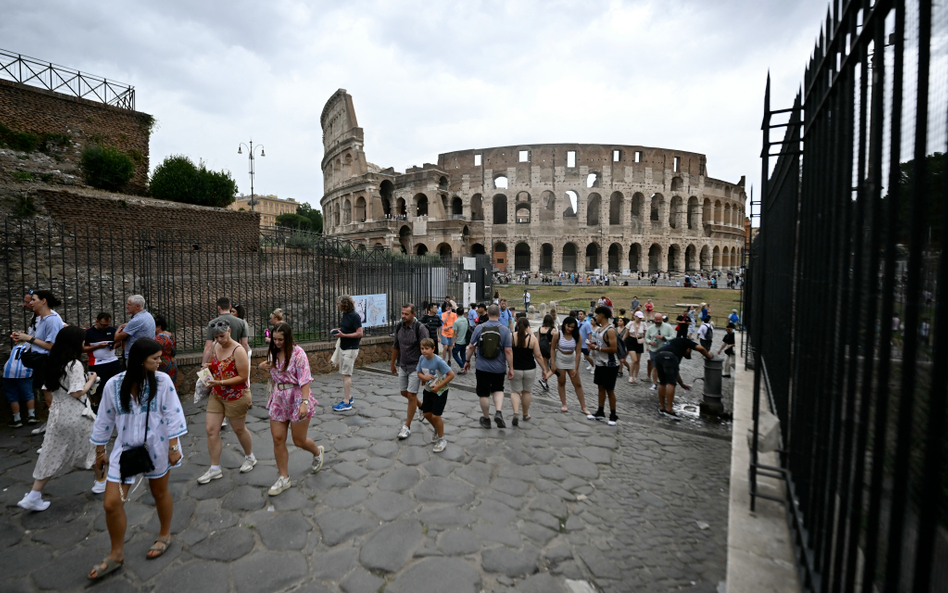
x=612, y=423
x=271, y=492
x=318, y=462
x=208, y=481
x=248, y=470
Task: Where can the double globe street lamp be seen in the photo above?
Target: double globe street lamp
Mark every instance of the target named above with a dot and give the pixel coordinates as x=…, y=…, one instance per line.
x=250, y=155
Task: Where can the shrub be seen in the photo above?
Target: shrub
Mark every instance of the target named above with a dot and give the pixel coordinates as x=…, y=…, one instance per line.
x=106, y=167
x=177, y=179
x=27, y=142
x=293, y=221
x=25, y=206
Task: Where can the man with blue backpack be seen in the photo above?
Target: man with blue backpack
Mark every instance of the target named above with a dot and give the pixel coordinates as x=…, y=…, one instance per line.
x=492, y=342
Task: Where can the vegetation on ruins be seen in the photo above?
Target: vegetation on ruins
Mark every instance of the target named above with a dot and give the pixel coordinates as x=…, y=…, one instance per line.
x=293, y=221
x=27, y=142
x=106, y=167
x=315, y=217
x=178, y=179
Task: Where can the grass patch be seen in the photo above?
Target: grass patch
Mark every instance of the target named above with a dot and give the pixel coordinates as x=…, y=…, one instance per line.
x=29, y=142
x=22, y=175
x=25, y=206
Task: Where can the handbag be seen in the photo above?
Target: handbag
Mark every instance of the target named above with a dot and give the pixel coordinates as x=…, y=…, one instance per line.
x=33, y=360
x=136, y=460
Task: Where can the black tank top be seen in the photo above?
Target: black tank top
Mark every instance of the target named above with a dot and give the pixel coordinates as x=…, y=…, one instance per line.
x=523, y=357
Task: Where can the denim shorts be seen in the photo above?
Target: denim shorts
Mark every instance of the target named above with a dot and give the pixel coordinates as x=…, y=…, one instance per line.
x=408, y=380
x=446, y=341
x=18, y=390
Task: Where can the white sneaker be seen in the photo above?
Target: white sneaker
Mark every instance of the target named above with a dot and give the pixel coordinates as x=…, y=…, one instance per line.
x=39, y=429
x=210, y=474
x=33, y=504
x=589, y=367
x=404, y=432
x=248, y=464
x=442, y=444
x=318, y=459
x=653, y=387
x=281, y=484
x=98, y=487
x=592, y=371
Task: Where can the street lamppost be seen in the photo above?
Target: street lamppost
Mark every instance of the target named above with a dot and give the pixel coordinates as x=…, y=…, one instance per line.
x=250, y=155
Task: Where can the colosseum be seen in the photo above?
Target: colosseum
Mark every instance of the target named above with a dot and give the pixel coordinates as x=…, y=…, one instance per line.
x=536, y=207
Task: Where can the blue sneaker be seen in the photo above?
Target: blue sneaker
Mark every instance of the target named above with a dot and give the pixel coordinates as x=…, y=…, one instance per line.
x=342, y=407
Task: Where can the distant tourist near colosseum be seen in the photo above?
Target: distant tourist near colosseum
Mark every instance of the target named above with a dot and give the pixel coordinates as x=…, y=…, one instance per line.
x=535, y=208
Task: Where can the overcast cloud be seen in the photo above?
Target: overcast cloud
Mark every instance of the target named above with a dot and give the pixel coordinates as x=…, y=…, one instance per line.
x=433, y=77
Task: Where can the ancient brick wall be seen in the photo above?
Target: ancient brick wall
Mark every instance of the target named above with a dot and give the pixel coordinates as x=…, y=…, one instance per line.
x=28, y=109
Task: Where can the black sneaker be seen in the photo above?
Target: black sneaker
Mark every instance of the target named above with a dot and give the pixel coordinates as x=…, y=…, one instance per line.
x=485, y=422
x=499, y=420
x=673, y=416
x=613, y=419
x=599, y=415
x=15, y=423
x=516, y=420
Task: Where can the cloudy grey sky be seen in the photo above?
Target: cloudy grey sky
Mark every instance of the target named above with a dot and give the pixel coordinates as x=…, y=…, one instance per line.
x=432, y=77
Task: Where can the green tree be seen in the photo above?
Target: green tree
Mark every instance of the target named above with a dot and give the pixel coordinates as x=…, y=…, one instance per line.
x=932, y=197
x=106, y=167
x=178, y=179
x=315, y=216
x=293, y=221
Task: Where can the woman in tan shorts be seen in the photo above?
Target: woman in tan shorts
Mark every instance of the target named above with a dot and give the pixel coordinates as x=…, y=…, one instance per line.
x=230, y=398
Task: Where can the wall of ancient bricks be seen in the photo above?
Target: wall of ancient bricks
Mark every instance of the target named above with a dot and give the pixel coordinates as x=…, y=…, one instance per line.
x=28, y=109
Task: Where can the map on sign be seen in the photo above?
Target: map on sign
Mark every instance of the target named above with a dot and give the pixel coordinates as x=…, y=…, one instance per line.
x=372, y=309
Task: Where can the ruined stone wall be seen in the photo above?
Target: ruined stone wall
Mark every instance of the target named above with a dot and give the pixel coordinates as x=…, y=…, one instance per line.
x=29, y=109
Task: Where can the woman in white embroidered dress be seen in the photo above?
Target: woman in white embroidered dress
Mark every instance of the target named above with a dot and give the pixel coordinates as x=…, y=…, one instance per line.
x=130, y=399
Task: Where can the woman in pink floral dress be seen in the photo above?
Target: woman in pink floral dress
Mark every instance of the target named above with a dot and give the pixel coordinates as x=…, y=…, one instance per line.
x=290, y=405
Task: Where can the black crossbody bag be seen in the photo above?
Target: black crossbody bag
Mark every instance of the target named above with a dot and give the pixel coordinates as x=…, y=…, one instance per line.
x=136, y=460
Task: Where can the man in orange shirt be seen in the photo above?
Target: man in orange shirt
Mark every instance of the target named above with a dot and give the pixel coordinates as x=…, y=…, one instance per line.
x=448, y=317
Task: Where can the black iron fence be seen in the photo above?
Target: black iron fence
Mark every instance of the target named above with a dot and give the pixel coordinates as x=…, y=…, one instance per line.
x=52, y=77
x=846, y=277
x=93, y=269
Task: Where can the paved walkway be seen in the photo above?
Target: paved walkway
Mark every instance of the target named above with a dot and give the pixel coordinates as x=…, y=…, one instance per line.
x=540, y=508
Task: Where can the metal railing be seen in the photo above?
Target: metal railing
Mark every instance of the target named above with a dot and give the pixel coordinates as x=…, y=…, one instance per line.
x=842, y=305
x=61, y=79
x=96, y=268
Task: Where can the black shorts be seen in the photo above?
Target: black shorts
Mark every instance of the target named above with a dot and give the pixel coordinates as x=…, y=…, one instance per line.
x=605, y=377
x=585, y=351
x=632, y=345
x=433, y=403
x=666, y=365
x=489, y=383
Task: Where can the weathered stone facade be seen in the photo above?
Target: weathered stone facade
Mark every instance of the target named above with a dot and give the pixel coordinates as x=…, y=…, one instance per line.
x=26, y=108
x=541, y=207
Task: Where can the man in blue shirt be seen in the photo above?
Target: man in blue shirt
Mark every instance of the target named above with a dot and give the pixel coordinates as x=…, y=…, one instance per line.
x=506, y=315
x=490, y=371
x=17, y=379
x=585, y=328
x=141, y=325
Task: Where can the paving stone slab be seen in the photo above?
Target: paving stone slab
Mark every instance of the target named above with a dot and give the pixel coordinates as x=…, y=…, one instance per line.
x=324, y=481
x=458, y=542
x=375, y=433
x=361, y=581
x=389, y=506
x=399, y=479
x=350, y=470
x=579, y=468
x=344, y=498
x=438, y=575
x=537, y=533
x=293, y=499
x=494, y=512
x=438, y=489
x=60, y=511
x=475, y=473
x=378, y=463
x=212, y=490
x=596, y=454
x=513, y=563
x=339, y=526
x=447, y=517
x=357, y=421
x=284, y=532
x=501, y=534
x=269, y=571
x=206, y=577
x=67, y=572
x=510, y=486
x=599, y=565
x=244, y=498
x=391, y=547
x=226, y=545
x=542, y=583
x=385, y=449
x=351, y=444
x=143, y=569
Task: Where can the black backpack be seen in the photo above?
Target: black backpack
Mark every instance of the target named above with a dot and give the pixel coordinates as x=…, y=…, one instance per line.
x=709, y=335
x=544, y=341
x=490, y=341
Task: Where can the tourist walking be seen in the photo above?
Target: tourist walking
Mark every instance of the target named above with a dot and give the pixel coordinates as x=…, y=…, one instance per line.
x=604, y=343
x=459, y=350
x=526, y=357
x=727, y=344
x=17, y=377
x=168, y=349
x=66, y=444
x=350, y=334
x=229, y=398
x=238, y=329
x=492, y=342
x=275, y=318
x=585, y=329
x=706, y=334
x=140, y=325
x=406, y=350
x=622, y=329
x=99, y=344
x=448, y=320
x=657, y=336
x=290, y=404
x=142, y=406
x=667, y=362
x=635, y=344
x=565, y=362
x=545, y=342
x=435, y=373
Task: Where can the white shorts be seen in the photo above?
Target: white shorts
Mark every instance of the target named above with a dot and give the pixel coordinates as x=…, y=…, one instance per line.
x=408, y=381
x=347, y=361
x=523, y=380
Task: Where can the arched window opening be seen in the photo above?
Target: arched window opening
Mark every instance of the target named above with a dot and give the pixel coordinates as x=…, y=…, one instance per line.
x=569, y=257
x=443, y=184
x=615, y=208
x=360, y=209
x=547, y=206
x=705, y=259
x=654, y=258
x=478, y=249
x=676, y=184
x=716, y=257
x=421, y=205
x=674, y=212
x=674, y=252
x=457, y=207
x=500, y=256
x=421, y=249
x=522, y=257
x=592, y=180
x=347, y=212
x=572, y=204
x=400, y=207
x=445, y=251
x=694, y=216
x=655, y=208
x=635, y=254
x=385, y=191
x=500, y=209
x=592, y=257
x=546, y=258
x=500, y=182
x=707, y=216
x=691, y=259
x=477, y=207
x=614, y=254
x=523, y=213
x=592, y=210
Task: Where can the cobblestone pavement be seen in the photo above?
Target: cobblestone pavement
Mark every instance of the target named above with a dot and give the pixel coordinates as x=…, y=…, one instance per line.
x=637, y=507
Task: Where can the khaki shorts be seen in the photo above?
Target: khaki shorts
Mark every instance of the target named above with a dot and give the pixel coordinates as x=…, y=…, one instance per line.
x=347, y=361
x=236, y=408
